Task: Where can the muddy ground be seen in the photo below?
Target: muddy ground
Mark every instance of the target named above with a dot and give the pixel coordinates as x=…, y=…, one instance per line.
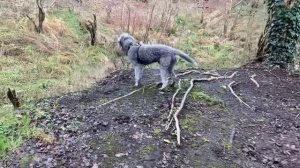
x=130, y=132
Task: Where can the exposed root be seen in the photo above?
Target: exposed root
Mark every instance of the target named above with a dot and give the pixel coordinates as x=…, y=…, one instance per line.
x=253, y=80
x=239, y=99
x=118, y=98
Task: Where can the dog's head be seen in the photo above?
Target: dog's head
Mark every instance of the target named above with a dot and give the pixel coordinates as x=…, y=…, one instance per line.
x=125, y=41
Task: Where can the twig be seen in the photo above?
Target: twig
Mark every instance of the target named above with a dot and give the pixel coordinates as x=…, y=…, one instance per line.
x=235, y=5
x=196, y=71
x=173, y=104
x=188, y=72
x=297, y=116
x=118, y=98
x=253, y=80
x=239, y=99
x=232, y=136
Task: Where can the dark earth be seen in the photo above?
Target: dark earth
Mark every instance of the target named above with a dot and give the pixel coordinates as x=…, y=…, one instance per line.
x=131, y=132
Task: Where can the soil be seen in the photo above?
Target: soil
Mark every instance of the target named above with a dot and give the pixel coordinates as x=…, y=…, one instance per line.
x=131, y=131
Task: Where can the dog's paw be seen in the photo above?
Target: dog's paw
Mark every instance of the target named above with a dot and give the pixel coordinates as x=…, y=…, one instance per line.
x=173, y=84
x=138, y=85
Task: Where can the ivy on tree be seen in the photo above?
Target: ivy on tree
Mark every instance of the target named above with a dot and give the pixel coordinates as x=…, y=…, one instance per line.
x=277, y=45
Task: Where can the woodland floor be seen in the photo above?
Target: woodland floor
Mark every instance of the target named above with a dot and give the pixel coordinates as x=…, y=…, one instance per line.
x=130, y=132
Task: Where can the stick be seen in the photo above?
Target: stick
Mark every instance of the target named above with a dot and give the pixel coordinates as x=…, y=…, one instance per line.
x=195, y=71
x=173, y=105
x=186, y=73
x=173, y=99
x=253, y=80
x=118, y=98
x=232, y=136
x=179, y=109
x=239, y=99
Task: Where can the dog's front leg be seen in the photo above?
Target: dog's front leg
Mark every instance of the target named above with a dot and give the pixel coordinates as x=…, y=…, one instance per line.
x=138, y=70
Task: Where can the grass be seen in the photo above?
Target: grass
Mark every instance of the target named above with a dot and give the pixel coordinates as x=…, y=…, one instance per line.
x=40, y=72
x=14, y=129
x=209, y=48
x=72, y=20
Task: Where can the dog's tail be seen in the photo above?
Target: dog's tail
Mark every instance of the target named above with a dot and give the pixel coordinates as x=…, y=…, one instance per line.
x=186, y=57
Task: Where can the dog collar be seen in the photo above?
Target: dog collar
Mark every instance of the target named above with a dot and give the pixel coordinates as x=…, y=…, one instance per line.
x=134, y=45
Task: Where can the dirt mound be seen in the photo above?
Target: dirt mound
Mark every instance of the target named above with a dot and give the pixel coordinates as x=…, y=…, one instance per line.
x=130, y=132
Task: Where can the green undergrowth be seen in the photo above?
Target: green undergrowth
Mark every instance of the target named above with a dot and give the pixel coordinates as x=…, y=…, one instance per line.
x=72, y=20
x=206, y=47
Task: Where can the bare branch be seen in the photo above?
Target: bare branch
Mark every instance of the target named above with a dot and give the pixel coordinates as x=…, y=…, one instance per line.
x=179, y=109
x=118, y=98
x=173, y=105
x=35, y=26
x=92, y=28
x=253, y=80
x=187, y=73
x=175, y=115
x=239, y=99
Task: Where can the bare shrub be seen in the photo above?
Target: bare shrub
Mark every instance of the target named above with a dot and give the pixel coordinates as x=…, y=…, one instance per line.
x=39, y=27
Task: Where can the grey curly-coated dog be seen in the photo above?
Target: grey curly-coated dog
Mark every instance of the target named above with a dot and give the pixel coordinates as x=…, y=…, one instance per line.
x=141, y=55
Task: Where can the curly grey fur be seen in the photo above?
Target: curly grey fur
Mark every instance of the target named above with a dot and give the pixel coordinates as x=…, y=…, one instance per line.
x=141, y=55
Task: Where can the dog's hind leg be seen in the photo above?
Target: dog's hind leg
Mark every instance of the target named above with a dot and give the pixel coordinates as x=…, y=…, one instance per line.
x=164, y=74
x=171, y=71
x=138, y=71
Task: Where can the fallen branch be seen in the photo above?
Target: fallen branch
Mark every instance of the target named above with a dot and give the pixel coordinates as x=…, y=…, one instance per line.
x=239, y=99
x=188, y=72
x=179, y=109
x=118, y=98
x=175, y=115
x=173, y=105
x=253, y=80
x=196, y=71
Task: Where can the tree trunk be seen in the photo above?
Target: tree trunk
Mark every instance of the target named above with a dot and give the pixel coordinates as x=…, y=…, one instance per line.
x=277, y=45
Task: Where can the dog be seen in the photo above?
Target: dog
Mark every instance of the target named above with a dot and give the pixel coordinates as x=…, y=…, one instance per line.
x=141, y=55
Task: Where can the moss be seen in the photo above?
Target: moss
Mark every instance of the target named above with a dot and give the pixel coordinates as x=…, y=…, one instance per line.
x=108, y=144
x=25, y=161
x=226, y=145
x=204, y=98
x=195, y=145
x=189, y=124
x=147, y=149
x=157, y=132
x=205, y=140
